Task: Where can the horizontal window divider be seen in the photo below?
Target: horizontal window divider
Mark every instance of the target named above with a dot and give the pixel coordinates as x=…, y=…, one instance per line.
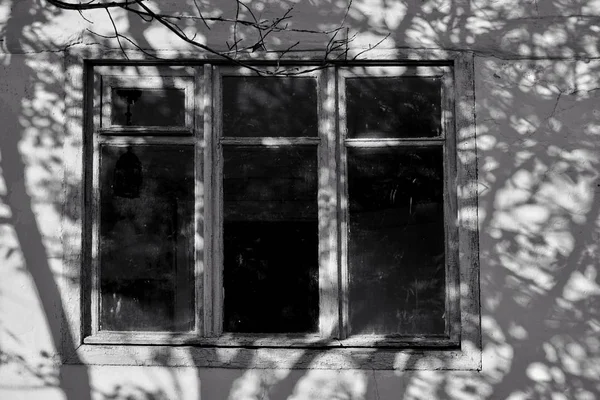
x=141, y=140
x=270, y=141
x=266, y=340
x=305, y=69
x=146, y=130
x=394, y=71
x=394, y=142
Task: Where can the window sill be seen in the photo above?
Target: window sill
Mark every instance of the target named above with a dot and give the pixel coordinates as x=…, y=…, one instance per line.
x=308, y=341
x=466, y=358
x=301, y=352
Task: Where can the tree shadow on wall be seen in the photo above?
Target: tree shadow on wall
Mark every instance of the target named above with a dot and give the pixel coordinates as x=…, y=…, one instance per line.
x=22, y=140
x=537, y=138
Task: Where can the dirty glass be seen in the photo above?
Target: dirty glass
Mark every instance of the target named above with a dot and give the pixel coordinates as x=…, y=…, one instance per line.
x=148, y=107
x=393, y=107
x=268, y=106
x=270, y=240
x=146, y=238
x=396, y=241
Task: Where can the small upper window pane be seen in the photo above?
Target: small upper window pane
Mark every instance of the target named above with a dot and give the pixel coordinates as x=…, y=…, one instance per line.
x=269, y=107
x=148, y=107
x=393, y=107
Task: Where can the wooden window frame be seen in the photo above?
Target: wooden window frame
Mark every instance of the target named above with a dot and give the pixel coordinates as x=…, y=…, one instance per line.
x=129, y=78
x=327, y=263
x=460, y=350
x=446, y=142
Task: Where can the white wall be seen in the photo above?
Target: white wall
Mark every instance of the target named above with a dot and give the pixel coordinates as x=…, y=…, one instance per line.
x=537, y=81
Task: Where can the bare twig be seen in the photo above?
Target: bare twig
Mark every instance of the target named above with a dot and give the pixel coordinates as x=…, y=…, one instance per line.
x=370, y=47
x=117, y=35
x=128, y=40
x=200, y=14
x=235, y=24
x=82, y=16
x=261, y=38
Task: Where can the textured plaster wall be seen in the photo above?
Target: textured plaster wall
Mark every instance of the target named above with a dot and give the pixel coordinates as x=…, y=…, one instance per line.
x=508, y=28
x=538, y=133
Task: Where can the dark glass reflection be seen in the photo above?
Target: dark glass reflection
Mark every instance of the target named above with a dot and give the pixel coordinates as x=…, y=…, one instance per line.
x=393, y=107
x=270, y=240
x=127, y=175
x=146, y=242
x=271, y=107
x=148, y=107
x=396, y=241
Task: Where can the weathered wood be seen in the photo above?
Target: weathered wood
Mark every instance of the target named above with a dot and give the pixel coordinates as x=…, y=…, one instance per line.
x=370, y=71
x=208, y=249
x=145, y=131
x=437, y=141
x=217, y=292
x=452, y=261
x=284, y=358
x=269, y=340
x=446, y=140
x=342, y=198
x=202, y=121
x=127, y=139
x=327, y=201
x=467, y=205
x=270, y=141
x=158, y=78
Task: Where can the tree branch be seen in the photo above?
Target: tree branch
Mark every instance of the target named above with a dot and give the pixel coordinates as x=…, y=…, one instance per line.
x=90, y=5
x=263, y=29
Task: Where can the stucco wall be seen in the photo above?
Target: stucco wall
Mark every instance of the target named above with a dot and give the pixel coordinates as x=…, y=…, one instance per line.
x=537, y=83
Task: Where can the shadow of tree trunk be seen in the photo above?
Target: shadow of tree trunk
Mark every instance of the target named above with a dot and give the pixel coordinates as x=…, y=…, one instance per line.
x=76, y=383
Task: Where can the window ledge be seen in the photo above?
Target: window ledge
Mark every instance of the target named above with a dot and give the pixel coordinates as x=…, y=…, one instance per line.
x=466, y=358
x=281, y=341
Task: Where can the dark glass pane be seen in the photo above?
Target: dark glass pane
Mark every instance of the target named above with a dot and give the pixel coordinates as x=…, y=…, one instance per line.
x=405, y=107
x=278, y=107
x=396, y=241
x=146, y=238
x=270, y=240
x=148, y=107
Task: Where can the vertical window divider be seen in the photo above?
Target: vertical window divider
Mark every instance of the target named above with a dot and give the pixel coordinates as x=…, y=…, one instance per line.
x=95, y=191
x=203, y=212
x=327, y=206
x=451, y=208
x=216, y=268
x=342, y=182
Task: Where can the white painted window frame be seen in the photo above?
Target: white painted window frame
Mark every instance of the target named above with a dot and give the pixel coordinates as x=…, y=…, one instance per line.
x=207, y=347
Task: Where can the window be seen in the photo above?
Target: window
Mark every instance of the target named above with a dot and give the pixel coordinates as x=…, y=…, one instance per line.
x=311, y=211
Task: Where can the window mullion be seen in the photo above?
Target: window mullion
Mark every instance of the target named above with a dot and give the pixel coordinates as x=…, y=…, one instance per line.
x=203, y=211
x=343, y=206
x=95, y=217
x=95, y=243
x=327, y=202
x=450, y=211
x=215, y=270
